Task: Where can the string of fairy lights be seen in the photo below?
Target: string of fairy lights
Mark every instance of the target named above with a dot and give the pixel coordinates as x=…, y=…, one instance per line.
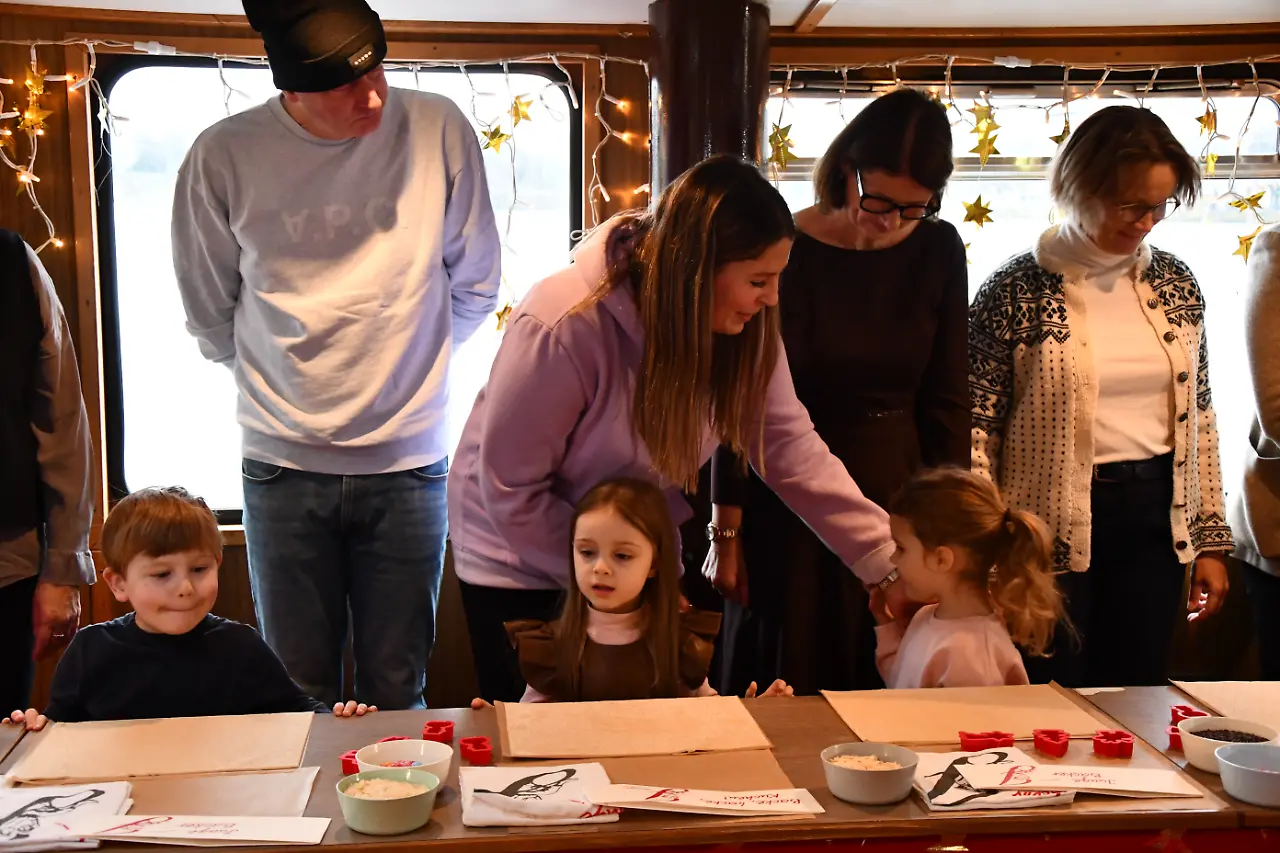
x=24, y=123
x=981, y=118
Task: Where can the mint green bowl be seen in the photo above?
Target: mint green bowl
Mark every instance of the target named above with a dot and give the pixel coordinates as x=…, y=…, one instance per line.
x=389, y=817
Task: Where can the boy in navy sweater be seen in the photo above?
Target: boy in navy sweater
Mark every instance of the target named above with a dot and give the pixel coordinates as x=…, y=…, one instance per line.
x=170, y=657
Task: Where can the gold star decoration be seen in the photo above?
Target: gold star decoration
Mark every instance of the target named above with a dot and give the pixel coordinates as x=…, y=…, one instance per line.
x=1253, y=202
x=780, y=145
x=977, y=212
x=494, y=137
x=966, y=253
x=503, y=315
x=1246, y=244
x=986, y=147
x=1208, y=121
x=35, y=85
x=981, y=116
x=520, y=110
x=1066, y=131
x=33, y=118
x=1211, y=164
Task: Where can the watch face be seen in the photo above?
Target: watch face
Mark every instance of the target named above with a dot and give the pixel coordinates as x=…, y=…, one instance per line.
x=711, y=532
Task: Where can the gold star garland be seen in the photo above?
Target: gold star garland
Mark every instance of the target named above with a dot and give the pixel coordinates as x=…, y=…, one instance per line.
x=1246, y=244
x=977, y=212
x=1253, y=202
x=984, y=126
x=1066, y=131
x=520, y=110
x=780, y=145
x=1209, y=121
x=494, y=137
x=503, y=315
x=1211, y=164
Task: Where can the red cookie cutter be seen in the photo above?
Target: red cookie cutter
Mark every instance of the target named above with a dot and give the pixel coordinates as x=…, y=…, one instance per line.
x=477, y=750
x=1053, y=742
x=1178, y=713
x=440, y=731
x=978, y=741
x=349, y=764
x=394, y=737
x=1113, y=743
x=1175, y=738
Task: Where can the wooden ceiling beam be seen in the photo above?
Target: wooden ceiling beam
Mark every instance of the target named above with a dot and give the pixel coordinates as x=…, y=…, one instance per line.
x=813, y=15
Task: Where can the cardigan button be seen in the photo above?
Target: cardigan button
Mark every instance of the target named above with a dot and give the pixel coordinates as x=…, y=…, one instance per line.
x=1181, y=546
x=1153, y=303
x=1182, y=418
x=1170, y=337
x=1184, y=376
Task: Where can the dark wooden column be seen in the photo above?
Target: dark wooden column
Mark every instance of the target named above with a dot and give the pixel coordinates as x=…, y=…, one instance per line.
x=710, y=79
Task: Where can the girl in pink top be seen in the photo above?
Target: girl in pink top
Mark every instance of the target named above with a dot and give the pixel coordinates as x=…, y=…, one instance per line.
x=986, y=567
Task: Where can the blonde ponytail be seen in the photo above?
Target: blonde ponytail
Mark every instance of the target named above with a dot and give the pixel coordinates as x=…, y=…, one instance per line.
x=1011, y=550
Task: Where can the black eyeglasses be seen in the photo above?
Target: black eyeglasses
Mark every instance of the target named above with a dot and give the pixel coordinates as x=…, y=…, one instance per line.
x=881, y=206
x=1138, y=212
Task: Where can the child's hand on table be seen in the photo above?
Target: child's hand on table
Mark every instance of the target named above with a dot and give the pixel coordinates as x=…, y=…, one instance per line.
x=478, y=704
x=353, y=709
x=31, y=719
x=778, y=688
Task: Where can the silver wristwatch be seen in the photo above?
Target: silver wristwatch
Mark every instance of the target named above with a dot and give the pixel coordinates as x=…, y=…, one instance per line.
x=889, y=580
x=721, y=534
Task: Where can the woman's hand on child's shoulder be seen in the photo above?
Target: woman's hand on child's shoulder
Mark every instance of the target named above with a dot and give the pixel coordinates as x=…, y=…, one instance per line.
x=353, y=709
x=33, y=720
x=778, y=688
x=478, y=704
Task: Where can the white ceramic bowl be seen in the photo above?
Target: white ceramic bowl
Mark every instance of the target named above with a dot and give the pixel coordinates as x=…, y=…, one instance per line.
x=434, y=758
x=1200, y=750
x=1251, y=772
x=870, y=787
x=389, y=817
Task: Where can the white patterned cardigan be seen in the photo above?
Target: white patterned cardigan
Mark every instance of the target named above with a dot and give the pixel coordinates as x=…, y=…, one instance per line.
x=1034, y=392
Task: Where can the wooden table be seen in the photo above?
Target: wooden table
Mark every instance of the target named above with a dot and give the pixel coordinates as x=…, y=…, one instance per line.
x=799, y=729
x=1145, y=711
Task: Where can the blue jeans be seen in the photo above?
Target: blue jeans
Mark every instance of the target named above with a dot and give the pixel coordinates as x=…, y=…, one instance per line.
x=322, y=546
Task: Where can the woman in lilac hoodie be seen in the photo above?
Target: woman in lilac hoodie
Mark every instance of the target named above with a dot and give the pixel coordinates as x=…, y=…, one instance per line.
x=656, y=345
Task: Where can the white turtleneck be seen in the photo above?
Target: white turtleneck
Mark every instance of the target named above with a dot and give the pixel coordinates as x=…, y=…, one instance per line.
x=1134, y=418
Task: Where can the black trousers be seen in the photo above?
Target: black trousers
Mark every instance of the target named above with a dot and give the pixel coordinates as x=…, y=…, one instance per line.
x=18, y=642
x=488, y=609
x=1126, y=607
x=1264, y=598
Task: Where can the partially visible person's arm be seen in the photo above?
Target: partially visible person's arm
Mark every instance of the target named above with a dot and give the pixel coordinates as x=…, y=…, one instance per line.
x=533, y=402
x=990, y=375
x=942, y=404
x=800, y=468
x=64, y=451
x=1262, y=332
x=206, y=254
x=472, y=250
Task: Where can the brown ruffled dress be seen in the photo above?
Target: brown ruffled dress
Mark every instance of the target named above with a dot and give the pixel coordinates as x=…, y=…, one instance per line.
x=611, y=672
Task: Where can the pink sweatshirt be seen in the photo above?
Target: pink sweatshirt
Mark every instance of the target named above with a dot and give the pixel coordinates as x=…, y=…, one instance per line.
x=971, y=652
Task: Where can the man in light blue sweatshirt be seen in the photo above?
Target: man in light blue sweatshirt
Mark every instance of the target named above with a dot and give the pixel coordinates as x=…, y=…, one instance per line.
x=333, y=247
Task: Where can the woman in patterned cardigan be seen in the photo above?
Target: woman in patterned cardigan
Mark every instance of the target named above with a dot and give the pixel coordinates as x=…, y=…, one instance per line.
x=1089, y=378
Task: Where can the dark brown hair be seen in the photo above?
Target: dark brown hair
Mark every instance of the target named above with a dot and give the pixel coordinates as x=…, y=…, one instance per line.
x=156, y=523
x=718, y=212
x=644, y=507
x=903, y=133
x=1096, y=160
x=1010, y=550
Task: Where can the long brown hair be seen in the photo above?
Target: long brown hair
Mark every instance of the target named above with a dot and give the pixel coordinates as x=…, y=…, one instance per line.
x=644, y=507
x=720, y=211
x=1010, y=550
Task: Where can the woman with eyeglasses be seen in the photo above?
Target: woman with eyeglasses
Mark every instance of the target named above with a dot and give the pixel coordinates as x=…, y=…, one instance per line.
x=874, y=321
x=1091, y=406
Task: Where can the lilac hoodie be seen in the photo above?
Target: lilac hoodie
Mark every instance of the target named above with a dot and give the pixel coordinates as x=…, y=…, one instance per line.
x=555, y=419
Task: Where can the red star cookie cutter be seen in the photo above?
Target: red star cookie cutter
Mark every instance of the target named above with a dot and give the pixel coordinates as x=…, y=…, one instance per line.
x=978, y=741
x=350, y=766
x=1113, y=743
x=440, y=731
x=1178, y=713
x=1175, y=738
x=477, y=750
x=1052, y=742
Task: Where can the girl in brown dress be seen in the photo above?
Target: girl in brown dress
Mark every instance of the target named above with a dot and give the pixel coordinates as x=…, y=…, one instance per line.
x=622, y=633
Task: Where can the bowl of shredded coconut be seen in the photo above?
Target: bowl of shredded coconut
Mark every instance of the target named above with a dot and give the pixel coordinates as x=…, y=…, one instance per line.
x=388, y=801
x=869, y=774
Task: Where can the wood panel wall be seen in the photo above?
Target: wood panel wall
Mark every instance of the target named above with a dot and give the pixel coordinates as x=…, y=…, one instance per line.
x=66, y=182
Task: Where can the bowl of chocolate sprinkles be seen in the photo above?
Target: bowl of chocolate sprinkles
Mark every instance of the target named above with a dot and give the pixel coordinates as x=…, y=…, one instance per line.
x=1201, y=737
